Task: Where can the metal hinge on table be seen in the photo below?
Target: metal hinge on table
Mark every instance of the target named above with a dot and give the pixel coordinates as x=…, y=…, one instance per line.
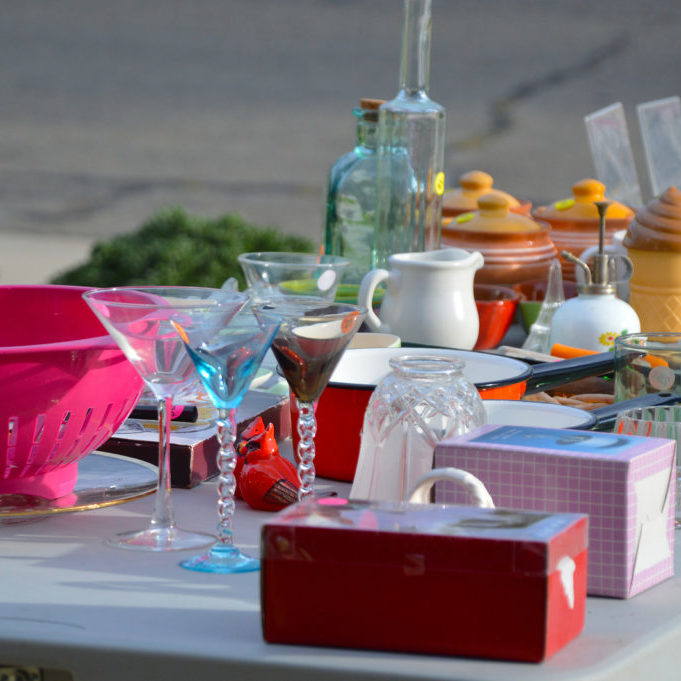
x=23, y=673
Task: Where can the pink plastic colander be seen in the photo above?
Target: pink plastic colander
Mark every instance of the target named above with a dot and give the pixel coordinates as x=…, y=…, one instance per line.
x=65, y=387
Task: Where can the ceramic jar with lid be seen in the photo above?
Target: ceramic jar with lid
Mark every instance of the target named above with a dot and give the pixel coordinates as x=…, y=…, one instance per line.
x=473, y=185
x=575, y=221
x=515, y=247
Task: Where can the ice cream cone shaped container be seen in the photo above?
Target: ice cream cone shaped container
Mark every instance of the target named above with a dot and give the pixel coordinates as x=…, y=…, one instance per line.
x=653, y=242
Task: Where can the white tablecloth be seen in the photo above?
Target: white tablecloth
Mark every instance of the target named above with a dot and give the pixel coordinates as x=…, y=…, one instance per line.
x=69, y=602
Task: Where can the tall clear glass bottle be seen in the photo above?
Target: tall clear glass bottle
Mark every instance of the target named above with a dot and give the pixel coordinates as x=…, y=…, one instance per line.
x=410, y=155
x=351, y=197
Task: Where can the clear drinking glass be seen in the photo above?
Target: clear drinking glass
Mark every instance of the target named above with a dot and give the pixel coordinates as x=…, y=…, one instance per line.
x=647, y=363
x=309, y=344
x=655, y=422
x=140, y=320
x=423, y=400
x=226, y=363
x=276, y=274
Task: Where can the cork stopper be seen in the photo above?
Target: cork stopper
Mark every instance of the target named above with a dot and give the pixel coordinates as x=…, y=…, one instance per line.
x=372, y=104
x=368, y=109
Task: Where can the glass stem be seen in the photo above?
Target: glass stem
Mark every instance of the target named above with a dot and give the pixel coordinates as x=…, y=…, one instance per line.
x=307, y=427
x=162, y=516
x=226, y=424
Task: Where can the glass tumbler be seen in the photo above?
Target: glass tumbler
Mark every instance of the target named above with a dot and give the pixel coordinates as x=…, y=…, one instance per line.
x=647, y=363
x=423, y=400
x=655, y=422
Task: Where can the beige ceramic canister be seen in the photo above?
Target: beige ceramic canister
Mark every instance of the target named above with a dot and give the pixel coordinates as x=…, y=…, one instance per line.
x=653, y=242
x=515, y=247
x=473, y=185
x=575, y=221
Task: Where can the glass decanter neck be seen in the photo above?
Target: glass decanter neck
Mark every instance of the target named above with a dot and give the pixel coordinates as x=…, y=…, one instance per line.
x=367, y=127
x=415, y=67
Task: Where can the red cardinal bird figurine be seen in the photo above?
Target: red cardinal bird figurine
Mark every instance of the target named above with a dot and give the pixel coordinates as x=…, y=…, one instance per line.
x=266, y=481
x=253, y=429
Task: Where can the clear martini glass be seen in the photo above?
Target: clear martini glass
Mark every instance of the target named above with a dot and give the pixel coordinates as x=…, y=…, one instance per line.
x=140, y=319
x=226, y=364
x=309, y=344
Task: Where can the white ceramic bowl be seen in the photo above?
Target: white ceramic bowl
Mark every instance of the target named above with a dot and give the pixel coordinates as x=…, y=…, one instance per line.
x=546, y=415
x=368, y=339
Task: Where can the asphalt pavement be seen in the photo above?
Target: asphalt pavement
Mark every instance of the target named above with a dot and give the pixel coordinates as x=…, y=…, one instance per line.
x=110, y=111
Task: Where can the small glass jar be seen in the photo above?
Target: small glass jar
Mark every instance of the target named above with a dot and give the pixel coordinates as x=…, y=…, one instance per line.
x=425, y=399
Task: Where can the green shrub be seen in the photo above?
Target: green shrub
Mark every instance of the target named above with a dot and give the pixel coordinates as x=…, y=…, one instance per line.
x=174, y=248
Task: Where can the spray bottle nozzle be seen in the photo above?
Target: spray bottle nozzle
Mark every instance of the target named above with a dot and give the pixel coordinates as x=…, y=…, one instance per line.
x=566, y=255
x=601, y=259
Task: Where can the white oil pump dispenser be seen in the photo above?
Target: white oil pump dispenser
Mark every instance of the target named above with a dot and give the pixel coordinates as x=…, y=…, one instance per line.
x=594, y=318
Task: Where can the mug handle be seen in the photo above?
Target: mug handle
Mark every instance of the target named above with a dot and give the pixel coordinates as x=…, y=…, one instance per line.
x=421, y=492
x=366, y=294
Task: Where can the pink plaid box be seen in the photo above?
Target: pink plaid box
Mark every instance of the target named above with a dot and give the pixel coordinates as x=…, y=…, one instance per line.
x=624, y=483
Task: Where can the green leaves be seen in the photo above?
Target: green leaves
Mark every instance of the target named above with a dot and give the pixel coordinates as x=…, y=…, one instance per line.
x=174, y=248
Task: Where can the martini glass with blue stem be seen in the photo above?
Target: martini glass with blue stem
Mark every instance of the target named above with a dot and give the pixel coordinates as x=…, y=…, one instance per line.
x=227, y=363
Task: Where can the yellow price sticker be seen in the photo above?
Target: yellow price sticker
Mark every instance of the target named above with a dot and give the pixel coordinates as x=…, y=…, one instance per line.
x=565, y=204
x=465, y=217
x=439, y=184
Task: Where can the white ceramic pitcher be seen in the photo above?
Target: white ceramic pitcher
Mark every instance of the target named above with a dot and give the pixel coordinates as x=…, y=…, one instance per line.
x=429, y=297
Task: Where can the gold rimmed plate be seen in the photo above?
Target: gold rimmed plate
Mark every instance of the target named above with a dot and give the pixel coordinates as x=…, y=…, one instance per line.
x=103, y=480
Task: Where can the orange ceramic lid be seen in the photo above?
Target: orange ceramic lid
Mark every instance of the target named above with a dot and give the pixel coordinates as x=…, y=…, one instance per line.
x=581, y=205
x=657, y=225
x=493, y=215
x=474, y=184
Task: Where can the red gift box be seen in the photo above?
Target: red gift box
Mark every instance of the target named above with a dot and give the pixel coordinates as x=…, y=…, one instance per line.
x=449, y=580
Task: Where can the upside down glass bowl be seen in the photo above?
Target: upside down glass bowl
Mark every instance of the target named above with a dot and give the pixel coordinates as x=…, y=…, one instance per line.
x=271, y=274
x=66, y=388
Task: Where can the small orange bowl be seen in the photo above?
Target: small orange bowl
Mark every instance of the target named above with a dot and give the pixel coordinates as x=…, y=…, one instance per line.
x=496, y=307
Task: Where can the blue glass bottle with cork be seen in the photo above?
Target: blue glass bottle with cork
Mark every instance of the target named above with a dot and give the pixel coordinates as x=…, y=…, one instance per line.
x=351, y=197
